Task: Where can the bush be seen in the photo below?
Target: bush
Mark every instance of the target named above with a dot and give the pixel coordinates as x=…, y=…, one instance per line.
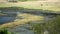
x=5, y=31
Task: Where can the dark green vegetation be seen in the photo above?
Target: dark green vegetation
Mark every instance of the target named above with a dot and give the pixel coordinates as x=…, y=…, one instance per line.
x=5, y=31
x=53, y=26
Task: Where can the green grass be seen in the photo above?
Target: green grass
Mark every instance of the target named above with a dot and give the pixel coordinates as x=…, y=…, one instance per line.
x=4, y=5
x=52, y=26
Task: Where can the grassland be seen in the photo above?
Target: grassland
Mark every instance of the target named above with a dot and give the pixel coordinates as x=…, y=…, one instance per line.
x=34, y=5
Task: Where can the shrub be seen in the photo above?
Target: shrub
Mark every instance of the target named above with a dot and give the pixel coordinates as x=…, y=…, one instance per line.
x=5, y=31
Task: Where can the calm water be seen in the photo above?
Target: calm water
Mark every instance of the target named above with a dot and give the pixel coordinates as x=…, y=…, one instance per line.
x=6, y=19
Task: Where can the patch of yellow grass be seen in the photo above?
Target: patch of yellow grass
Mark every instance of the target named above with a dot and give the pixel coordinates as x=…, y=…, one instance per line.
x=27, y=18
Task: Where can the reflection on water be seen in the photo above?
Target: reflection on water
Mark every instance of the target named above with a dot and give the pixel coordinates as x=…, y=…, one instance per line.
x=6, y=19
x=7, y=16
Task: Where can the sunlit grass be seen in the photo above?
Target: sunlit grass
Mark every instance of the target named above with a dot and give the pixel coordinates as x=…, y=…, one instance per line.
x=33, y=5
x=27, y=18
x=4, y=5
x=37, y=6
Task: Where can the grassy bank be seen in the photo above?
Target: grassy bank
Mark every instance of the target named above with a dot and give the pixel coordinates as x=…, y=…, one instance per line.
x=27, y=18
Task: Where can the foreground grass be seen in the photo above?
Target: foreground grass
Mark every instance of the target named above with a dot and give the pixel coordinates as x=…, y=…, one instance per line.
x=27, y=18
x=49, y=27
x=5, y=31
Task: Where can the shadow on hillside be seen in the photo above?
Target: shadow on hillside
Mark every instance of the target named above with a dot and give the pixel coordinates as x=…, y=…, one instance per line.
x=12, y=13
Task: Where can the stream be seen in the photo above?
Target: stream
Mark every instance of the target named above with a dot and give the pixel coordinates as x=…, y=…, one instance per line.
x=25, y=29
x=22, y=29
